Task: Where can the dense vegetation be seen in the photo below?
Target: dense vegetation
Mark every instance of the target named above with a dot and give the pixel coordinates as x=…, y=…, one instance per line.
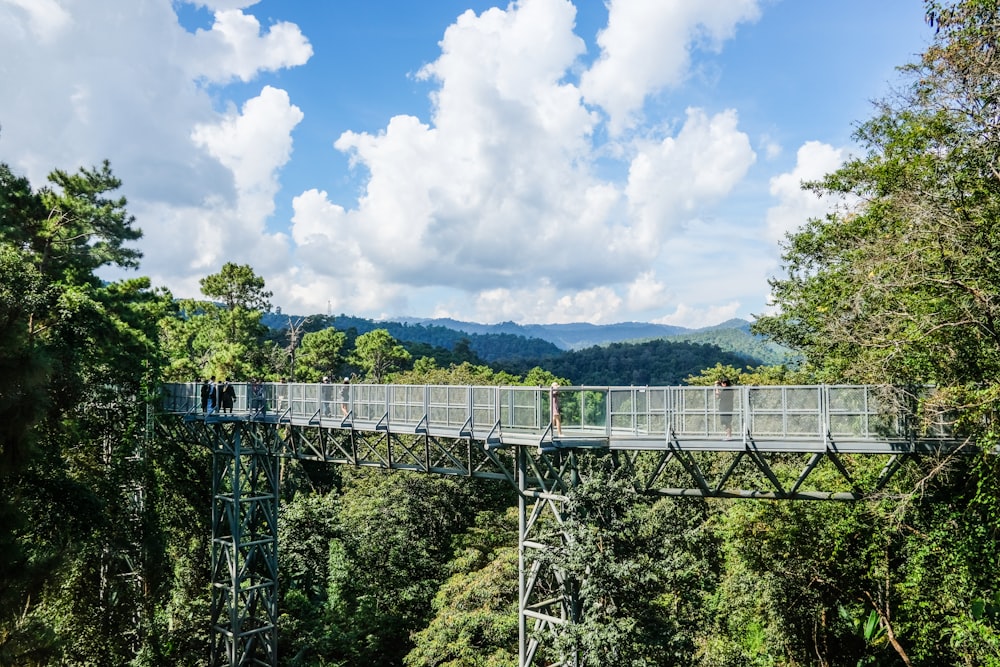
x=649, y=362
x=654, y=363
x=103, y=532
x=735, y=336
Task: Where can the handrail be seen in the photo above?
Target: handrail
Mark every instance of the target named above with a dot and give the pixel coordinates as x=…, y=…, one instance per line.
x=841, y=413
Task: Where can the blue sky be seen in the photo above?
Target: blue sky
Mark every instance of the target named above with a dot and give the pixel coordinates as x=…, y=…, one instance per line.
x=539, y=161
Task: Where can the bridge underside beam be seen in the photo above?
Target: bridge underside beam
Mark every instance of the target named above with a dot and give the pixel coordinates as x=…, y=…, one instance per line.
x=418, y=452
x=766, y=476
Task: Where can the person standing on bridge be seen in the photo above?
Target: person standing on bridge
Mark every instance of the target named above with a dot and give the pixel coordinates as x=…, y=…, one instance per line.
x=227, y=395
x=204, y=396
x=554, y=405
x=345, y=396
x=724, y=395
x=213, y=396
x=257, y=398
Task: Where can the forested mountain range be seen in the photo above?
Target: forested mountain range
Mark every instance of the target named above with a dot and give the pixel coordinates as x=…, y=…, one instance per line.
x=652, y=363
x=444, y=332
x=616, y=353
x=573, y=336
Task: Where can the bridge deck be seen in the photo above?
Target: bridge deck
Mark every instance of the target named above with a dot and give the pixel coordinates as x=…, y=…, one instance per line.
x=810, y=418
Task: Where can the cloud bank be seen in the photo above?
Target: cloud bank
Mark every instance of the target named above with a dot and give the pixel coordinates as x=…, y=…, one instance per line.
x=544, y=183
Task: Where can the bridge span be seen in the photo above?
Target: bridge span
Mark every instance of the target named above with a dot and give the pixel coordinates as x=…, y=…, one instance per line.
x=763, y=442
x=865, y=419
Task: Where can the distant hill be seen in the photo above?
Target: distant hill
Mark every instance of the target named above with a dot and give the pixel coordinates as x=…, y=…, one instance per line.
x=490, y=346
x=730, y=336
x=652, y=363
x=565, y=336
x=734, y=336
x=624, y=353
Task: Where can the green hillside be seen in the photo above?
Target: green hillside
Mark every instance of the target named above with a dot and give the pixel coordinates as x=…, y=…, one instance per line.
x=734, y=336
x=653, y=363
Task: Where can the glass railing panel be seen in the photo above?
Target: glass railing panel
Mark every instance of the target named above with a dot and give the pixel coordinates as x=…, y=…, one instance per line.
x=781, y=412
x=398, y=404
x=802, y=399
x=930, y=419
x=369, y=401
x=706, y=411
x=521, y=408
x=437, y=405
x=767, y=424
x=804, y=425
x=484, y=406
x=180, y=398
x=625, y=406
x=328, y=394
x=864, y=412
x=593, y=409
x=638, y=410
x=691, y=424
x=304, y=400
x=459, y=409
x=277, y=397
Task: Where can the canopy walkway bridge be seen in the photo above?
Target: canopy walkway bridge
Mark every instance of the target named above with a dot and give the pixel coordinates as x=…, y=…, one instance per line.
x=754, y=442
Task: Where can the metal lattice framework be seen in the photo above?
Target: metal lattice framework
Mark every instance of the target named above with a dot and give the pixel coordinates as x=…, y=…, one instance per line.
x=784, y=443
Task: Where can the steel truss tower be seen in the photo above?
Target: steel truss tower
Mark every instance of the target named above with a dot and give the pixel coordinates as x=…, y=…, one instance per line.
x=548, y=600
x=244, y=553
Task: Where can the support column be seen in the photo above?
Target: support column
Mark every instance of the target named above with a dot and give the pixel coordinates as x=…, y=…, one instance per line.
x=548, y=601
x=244, y=544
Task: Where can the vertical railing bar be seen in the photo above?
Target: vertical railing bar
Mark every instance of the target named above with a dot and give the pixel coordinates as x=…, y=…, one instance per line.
x=674, y=401
x=824, y=401
x=427, y=403
x=607, y=413
x=471, y=410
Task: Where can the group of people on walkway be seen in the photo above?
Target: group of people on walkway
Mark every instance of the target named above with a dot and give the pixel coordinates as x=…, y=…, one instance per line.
x=220, y=397
x=217, y=397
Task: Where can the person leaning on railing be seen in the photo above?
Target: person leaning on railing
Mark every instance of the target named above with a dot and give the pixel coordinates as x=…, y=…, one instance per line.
x=258, y=403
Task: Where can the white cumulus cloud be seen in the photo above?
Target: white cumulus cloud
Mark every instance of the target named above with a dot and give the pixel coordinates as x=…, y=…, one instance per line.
x=795, y=205
x=647, y=46
x=498, y=194
x=236, y=47
x=42, y=19
x=524, y=184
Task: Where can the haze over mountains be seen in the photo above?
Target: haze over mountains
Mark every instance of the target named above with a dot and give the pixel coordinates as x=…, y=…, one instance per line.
x=573, y=336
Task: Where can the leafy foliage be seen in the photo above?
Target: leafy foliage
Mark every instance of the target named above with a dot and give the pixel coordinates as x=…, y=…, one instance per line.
x=204, y=339
x=475, y=610
x=641, y=568
x=899, y=285
x=378, y=354
x=320, y=355
x=80, y=355
x=654, y=363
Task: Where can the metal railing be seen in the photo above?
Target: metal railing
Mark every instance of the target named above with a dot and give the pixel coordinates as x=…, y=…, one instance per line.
x=808, y=412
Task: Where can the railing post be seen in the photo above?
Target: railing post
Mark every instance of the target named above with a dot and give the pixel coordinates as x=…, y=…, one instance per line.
x=470, y=409
x=824, y=410
x=427, y=403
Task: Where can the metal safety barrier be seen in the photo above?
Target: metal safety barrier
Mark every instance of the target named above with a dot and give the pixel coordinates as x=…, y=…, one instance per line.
x=773, y=413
